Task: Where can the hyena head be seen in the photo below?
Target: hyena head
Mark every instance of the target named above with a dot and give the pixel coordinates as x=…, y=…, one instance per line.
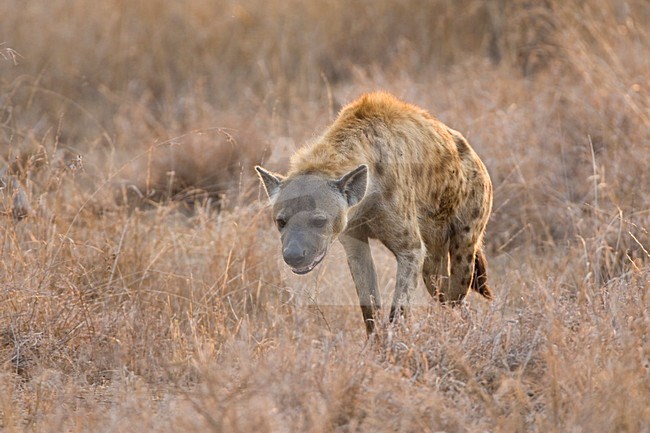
x=310, y=211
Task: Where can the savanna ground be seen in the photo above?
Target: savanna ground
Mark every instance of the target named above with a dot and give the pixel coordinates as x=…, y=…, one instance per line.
x=140, y=282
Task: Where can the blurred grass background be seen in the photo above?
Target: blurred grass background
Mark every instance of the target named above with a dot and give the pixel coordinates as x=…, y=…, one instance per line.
x=140, y=285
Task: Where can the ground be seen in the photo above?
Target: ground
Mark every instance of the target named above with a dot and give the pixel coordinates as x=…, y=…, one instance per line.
x=137, y=293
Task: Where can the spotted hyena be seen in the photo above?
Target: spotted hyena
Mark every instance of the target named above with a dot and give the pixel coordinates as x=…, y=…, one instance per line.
x=390, y=171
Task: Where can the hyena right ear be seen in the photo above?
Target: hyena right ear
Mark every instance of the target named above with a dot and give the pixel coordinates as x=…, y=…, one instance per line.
x=271, y=182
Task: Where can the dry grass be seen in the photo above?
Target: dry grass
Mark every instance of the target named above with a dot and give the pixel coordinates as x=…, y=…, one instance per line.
x=176, y=314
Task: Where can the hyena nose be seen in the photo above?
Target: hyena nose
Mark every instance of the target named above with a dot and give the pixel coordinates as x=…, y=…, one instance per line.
x=294, y=255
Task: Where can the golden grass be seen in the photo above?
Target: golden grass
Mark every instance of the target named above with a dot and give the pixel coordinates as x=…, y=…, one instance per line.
x=143, y=290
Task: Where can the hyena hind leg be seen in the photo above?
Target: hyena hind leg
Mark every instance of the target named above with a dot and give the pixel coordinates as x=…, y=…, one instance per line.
x=479, y=281
x=435, y=271
x=462, y=250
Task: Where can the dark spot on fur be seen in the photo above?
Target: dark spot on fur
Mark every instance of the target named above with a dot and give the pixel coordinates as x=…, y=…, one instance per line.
x=466, y=229
x=405, y=244
x=379, y=169
x=476, y=213
x=462, y=146
x=299, y=204
x=470, y=257
x=459, y=257
x=389, y=190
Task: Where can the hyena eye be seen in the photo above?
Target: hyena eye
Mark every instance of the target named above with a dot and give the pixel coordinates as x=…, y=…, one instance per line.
x=280, y=222
x=319, y=221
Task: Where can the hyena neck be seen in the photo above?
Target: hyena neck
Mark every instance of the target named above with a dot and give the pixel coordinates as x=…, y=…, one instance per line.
x=323, y=159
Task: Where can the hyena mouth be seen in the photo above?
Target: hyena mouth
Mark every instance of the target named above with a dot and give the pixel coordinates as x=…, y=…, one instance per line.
x=309, y=268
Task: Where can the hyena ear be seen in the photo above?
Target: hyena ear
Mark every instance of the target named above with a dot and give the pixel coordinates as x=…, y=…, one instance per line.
x=271, y=182
x=353, y=184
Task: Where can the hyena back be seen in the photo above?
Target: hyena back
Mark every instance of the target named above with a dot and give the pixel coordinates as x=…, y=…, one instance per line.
x=390, y=171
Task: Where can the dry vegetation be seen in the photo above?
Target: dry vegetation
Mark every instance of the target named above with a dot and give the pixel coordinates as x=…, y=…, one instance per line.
x=140, y=285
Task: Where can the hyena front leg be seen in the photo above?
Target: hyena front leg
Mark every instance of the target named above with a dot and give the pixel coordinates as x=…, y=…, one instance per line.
x=364, y=275
x=409, y=252
x=409, y=265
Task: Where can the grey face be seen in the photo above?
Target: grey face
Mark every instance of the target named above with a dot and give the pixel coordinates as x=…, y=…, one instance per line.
x=310, y=211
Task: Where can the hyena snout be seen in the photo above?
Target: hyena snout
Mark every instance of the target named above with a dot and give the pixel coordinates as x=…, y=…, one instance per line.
x=294, y=254
x=301, y=255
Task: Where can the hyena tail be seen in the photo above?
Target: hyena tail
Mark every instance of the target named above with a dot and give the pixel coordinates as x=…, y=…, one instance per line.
x=479, y=282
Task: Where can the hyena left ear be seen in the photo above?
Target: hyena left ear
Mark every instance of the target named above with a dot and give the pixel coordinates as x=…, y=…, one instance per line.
x=353, y=184
x=271, y=182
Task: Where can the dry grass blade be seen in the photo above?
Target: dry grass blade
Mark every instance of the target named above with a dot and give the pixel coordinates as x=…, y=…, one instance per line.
x=141, y=282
